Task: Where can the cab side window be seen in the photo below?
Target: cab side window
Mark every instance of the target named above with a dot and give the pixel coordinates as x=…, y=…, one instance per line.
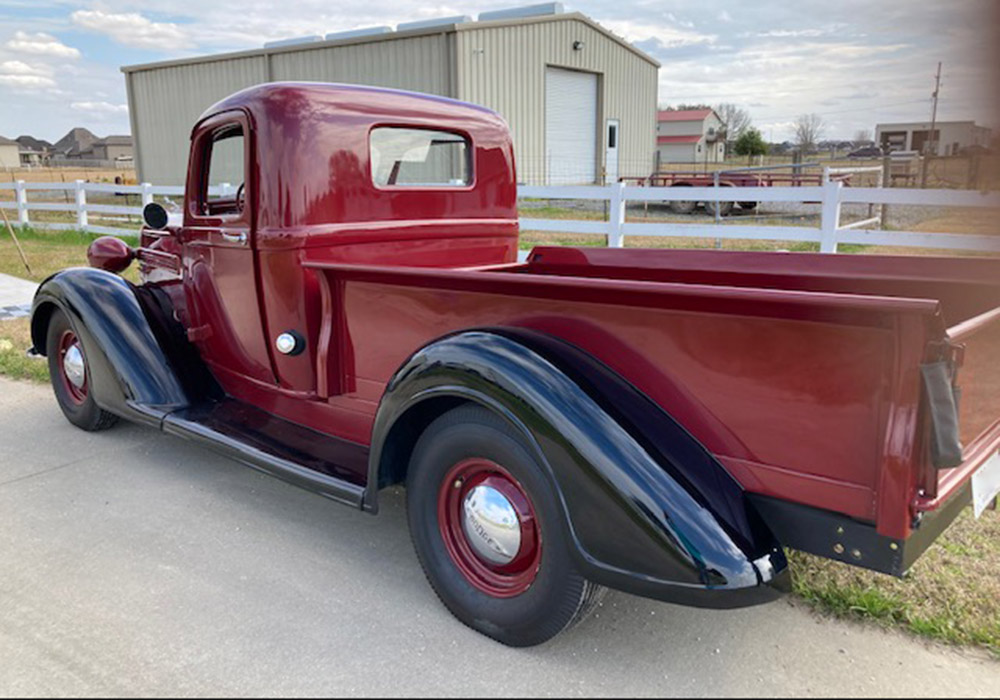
x=222, y=186
x=419, y=158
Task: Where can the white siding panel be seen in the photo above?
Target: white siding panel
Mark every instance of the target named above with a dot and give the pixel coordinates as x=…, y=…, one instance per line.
x=570, y=127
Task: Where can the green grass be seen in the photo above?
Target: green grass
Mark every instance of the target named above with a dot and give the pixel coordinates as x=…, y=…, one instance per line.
x=952, y=593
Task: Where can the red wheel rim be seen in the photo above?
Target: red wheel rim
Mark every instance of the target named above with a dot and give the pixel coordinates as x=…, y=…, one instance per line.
x=76, y=390
x=498, y=579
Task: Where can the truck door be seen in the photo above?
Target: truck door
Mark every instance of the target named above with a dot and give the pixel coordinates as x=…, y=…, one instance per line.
x=220, y=274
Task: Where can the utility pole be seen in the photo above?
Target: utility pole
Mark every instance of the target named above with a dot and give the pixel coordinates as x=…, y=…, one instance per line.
x=931, y=141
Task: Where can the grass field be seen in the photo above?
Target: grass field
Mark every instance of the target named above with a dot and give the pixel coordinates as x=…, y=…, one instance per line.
x=952, y=594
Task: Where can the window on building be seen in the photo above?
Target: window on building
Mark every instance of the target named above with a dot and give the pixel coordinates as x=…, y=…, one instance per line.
x=419, y=158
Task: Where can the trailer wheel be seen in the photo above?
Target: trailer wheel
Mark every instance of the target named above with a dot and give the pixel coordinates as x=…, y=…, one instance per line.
x=724, y=208
x=70, y=376
x=748, y=205
x=682, y=206
x=486, y=528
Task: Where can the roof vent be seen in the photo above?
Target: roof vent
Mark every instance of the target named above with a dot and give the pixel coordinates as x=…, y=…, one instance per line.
x=293, y=42
x=353, y=33
x=546, y=8
x=436, y=22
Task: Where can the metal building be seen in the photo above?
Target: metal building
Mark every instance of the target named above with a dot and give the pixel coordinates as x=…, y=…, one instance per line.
x=580, y=101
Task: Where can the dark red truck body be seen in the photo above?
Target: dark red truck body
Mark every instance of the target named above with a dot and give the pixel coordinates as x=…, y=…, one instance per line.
x=803, y=380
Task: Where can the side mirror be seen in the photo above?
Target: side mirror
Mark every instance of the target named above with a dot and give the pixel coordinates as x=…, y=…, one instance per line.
x=155, y=216
x=110, y=253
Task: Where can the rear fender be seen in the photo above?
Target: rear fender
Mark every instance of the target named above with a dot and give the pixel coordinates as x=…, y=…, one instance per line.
x=124, y=330
x=648, y=509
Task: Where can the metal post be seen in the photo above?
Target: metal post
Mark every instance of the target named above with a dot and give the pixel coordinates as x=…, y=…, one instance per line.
x=22, y=203
x=718, y=208
x=830, y=217
x=81, y=206
x=147, y=194
x=886, y=182
x=616, y=216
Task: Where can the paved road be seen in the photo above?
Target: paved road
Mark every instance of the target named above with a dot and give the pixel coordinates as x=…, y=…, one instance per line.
x=15, y=296
x=133, y=563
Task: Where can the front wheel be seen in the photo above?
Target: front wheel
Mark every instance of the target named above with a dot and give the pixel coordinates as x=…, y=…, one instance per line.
x=487, y=530
x=70, y=376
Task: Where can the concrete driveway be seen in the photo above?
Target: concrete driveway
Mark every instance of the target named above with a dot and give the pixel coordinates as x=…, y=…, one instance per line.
x=133, y=563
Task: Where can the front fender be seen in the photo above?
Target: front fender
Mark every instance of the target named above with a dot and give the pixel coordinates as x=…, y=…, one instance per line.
x=648, y=509
x=131, y=374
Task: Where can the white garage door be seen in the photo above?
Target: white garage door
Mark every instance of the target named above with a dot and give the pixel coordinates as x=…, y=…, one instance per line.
x=570, y=127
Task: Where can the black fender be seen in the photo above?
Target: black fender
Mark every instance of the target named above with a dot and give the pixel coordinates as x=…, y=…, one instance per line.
x=139, y=367
x=650, y=511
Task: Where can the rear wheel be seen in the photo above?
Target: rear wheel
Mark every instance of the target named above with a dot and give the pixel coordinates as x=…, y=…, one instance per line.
x=682, y=207
x=70, y=376
x=486, y=527
x=748, y=205
x=724, y=208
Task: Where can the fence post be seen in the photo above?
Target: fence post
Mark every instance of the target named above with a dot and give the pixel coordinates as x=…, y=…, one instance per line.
x=22, y=203
x=886, y=182
x=147, y=194
x=616, y=216
x=81, y=206
x=830, y=215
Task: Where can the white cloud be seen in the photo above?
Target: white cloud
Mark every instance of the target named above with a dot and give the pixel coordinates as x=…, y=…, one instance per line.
x=132, y=29
x=668, y=36
x=41, y=44
x=24, y=75
x=103, y=108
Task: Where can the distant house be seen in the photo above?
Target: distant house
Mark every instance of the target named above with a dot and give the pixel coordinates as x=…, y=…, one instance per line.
x=34, y=151
x=82, y=145
x=689, y=136
x=112, y=148
x=951, y=137
x=10, y=153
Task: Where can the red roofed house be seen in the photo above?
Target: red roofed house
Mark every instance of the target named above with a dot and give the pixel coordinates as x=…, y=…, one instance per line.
x=689, y=136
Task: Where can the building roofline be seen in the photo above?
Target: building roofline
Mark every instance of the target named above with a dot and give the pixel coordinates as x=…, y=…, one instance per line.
x=388, y=36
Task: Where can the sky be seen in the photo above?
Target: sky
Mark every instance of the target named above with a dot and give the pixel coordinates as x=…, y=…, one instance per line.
x=853, y=62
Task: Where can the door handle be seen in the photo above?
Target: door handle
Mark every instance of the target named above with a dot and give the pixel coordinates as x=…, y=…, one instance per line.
x=240, y=237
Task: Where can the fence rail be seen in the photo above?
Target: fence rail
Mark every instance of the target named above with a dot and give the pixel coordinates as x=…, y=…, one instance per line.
x=830, y=195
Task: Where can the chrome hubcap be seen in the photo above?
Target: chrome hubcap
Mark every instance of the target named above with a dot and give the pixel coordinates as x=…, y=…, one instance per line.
x=491, y=525
x=74, y=367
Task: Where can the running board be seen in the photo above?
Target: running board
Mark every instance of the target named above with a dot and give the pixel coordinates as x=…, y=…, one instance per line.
x=291, y=452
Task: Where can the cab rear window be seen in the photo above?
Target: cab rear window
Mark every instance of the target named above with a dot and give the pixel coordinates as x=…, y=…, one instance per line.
x=419, y=158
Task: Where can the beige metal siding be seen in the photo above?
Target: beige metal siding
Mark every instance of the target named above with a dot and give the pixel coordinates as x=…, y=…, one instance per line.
x=166, y=102
x=418, y=63
x=503, y=68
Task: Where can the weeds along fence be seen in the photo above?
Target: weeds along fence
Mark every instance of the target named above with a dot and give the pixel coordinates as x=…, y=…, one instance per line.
x=85, y=204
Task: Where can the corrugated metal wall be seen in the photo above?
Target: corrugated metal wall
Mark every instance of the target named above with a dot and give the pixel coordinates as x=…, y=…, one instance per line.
x=503, y=68
x=165, y=101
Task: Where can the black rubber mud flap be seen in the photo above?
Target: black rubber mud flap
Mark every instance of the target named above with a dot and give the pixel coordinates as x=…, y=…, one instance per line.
x=942, y=403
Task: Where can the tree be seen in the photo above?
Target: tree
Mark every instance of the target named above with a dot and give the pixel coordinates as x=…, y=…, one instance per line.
x=808, y=129
x=750, y=143
x=862, y=136
x=736, y=119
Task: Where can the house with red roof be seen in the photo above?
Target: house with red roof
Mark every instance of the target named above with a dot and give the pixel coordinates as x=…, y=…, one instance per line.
x=689, y=136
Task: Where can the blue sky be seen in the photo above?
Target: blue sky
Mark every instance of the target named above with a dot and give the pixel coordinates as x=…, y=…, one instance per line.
x=854, y=62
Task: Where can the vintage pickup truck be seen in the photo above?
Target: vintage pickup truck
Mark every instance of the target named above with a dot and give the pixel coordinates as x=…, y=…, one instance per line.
x=660, y=422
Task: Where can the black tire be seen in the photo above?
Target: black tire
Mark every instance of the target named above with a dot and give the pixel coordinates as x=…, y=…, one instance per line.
x=748, y=205
x=81, y=411
x=724, y=207
x=558, y=597
x=682, y=206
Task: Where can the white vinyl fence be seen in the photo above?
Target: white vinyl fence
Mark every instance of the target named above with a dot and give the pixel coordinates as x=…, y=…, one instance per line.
x=830, y=195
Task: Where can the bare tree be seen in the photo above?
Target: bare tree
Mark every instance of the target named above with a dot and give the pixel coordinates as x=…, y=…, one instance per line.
x=735, y=118
x=862, y=136
x=808, y=129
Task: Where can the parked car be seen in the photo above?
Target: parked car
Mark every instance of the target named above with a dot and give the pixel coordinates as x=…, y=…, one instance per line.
x=661, y=422
x=866, y=152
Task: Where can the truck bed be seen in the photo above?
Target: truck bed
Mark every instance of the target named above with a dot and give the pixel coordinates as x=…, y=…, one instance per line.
x=799, y=372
